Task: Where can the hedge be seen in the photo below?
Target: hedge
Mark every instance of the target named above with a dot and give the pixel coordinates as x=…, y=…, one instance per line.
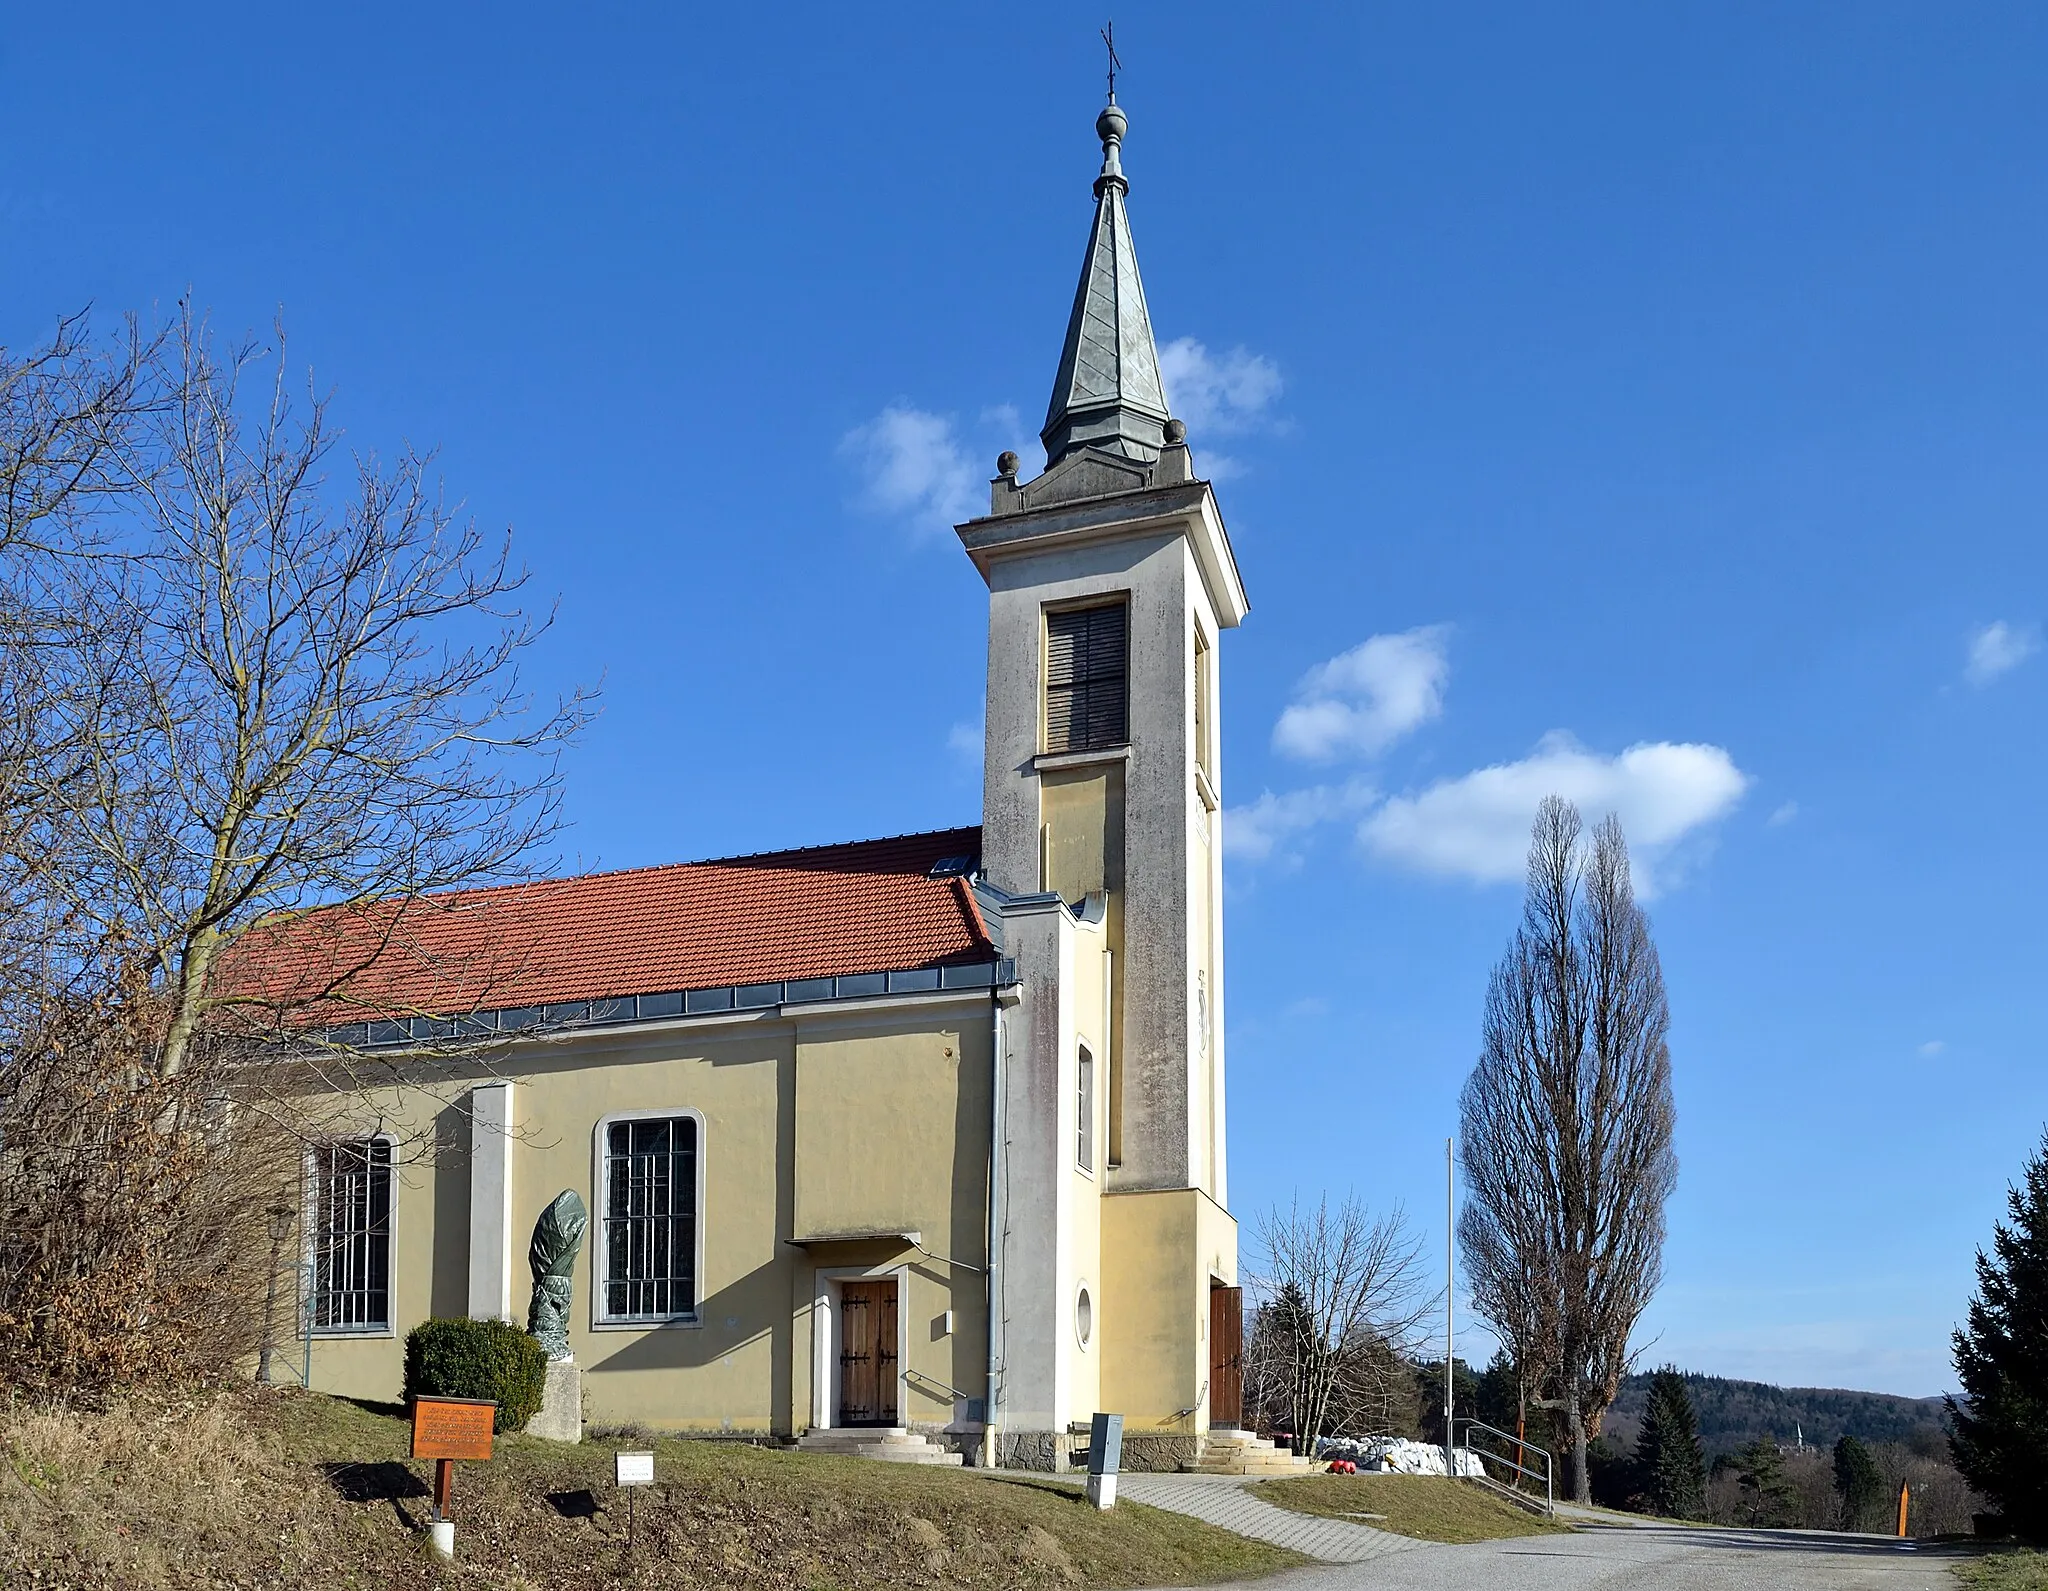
x=477, y=1359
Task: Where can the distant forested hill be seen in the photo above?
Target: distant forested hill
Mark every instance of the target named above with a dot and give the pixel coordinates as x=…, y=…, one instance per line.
x=1735, y=1412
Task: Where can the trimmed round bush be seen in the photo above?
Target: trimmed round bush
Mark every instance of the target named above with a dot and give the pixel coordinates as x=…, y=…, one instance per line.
x=477, y=1359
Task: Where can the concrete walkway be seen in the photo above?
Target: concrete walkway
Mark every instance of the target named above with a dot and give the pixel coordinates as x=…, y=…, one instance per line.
x=1226, y=1501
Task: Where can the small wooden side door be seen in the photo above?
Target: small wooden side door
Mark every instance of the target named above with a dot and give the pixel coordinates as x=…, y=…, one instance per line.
x=885, y=1354
x=1226, y=1357
x=867, y=1353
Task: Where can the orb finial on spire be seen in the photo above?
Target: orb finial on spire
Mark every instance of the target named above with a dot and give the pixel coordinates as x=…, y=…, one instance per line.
x=1110, y=127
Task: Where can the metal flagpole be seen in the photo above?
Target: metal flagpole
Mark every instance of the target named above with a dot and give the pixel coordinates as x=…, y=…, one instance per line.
x=1450, y=1293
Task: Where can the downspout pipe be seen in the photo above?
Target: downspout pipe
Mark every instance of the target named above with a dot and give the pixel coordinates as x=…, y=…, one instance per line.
x=990, y=1450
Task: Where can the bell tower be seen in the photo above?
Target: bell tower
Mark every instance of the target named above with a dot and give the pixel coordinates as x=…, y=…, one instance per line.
x=1110, y=581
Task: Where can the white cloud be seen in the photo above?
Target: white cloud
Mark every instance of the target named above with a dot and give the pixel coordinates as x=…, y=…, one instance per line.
x=1783, y=815
x=1363, y=700
x=1933, y=1047
x=1256, y=832
x=912, y=467
x=1998, y=649
x=1217, y=394
x=965, y=739
x=1477, y=826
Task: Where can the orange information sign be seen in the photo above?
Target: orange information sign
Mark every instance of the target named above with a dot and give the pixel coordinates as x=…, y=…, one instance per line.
x=452, y=1427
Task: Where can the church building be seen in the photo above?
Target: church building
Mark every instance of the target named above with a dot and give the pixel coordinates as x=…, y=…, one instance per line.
x=921, y=1136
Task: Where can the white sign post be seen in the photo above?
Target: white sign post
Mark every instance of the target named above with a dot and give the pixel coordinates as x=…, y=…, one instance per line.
x=635, y=1469
x=631, y=1470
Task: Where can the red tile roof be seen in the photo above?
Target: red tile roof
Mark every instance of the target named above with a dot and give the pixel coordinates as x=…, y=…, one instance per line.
x=869, y=906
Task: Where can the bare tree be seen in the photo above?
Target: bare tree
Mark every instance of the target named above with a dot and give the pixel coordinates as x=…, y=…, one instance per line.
x=236, y=699
x=1341, y=1298
x=1566, y=1126
x=283, y=696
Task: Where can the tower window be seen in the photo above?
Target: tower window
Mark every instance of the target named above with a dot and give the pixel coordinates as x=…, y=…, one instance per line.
x=1084, y=1112
x=1202, y=689
x=1086, y=678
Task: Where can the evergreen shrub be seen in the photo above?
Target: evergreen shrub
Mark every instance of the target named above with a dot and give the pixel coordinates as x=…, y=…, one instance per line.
x=477, y=1359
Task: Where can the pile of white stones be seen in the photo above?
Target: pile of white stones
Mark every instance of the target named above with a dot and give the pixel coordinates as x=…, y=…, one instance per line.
x=1394, y=1455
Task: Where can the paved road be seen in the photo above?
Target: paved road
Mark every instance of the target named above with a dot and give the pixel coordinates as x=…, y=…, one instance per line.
x=1595, y=1558
x=1658, y=1559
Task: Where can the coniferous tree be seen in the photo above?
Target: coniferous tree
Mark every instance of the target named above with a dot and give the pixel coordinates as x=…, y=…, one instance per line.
x=1859, y=1483
x=1760, y=1474
x=1999, y=1429
x=1674, y=1468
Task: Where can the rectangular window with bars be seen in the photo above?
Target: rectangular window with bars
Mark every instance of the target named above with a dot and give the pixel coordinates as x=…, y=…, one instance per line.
x=1087, y=687
x=650, y=1219
x=352, y=1237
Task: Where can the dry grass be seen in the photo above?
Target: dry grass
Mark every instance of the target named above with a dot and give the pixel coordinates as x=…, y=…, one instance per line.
x=289, y=1489
x=1427, y=1507
x=2022, y=1570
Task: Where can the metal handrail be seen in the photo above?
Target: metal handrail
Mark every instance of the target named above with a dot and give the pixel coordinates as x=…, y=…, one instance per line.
x=1525, y=1447
x=935, y=1381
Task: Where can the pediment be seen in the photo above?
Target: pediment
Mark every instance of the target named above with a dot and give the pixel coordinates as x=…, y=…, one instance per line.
x=1088, y=473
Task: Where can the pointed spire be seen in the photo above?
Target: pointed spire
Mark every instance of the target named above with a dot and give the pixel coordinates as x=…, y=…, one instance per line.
x=1108, y=393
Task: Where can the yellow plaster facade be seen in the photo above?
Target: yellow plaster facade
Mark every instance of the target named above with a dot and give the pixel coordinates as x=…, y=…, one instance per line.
x=804, y=1124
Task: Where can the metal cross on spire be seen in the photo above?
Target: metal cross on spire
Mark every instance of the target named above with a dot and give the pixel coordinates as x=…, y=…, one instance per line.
x=1109, y=43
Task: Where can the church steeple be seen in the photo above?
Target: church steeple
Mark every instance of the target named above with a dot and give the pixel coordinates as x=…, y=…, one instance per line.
x=1108, y=393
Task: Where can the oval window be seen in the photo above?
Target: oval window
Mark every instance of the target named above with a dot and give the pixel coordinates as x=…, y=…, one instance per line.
x=1084, y=1316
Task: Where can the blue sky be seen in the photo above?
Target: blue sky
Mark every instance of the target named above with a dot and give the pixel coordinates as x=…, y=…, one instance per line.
x=1661, y=386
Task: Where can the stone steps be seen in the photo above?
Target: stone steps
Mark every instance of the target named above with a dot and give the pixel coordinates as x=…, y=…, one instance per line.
x=887, y=1444
x=1241, y=1453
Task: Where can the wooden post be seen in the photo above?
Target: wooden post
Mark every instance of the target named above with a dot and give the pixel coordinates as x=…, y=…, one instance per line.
x=1905, y=1492
x=444, y=1486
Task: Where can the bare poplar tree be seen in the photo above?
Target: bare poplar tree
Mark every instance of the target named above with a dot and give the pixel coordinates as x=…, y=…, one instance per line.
x=1566, y=1126
x=1341, y=1298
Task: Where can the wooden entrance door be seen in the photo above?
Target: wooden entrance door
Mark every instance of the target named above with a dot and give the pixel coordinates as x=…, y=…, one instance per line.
x=867, y=1353
x=1226, y=1356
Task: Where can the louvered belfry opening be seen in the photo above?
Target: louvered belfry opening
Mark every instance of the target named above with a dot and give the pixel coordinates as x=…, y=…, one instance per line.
x=1086, y=678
